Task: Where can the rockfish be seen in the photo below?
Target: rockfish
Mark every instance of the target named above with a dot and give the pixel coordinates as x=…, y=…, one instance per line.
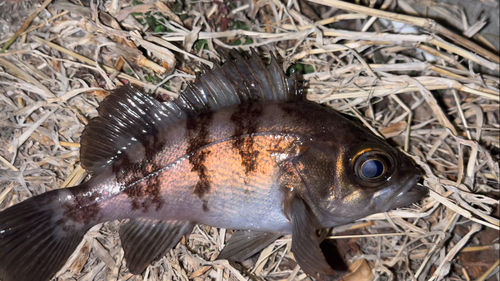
x=240, y=149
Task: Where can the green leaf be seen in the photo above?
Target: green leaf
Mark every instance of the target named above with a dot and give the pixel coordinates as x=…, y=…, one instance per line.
x=291, y=70
x=304, y=68
x=151, y=21
x=239, y=25
x=202, y=43
x=308, y=69
x=159, y=28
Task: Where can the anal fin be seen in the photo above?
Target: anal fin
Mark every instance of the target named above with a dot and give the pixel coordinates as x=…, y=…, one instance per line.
x=144, y=241
x=245, y=243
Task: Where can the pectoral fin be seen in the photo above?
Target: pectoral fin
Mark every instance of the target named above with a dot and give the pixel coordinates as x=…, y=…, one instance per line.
x=144, y=241
x=244, y=244
x=305, y=244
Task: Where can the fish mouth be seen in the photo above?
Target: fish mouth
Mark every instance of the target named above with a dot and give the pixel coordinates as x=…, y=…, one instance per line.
x=410, y=193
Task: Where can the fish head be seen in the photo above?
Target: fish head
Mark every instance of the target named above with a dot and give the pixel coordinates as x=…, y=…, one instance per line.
x=361, y=177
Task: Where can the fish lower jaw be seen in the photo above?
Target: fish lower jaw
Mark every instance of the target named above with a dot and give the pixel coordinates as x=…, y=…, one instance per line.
x=411, y=193
x=385, y=201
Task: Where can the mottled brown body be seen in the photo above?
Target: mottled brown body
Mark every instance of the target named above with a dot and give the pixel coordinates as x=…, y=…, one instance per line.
x=217, y=167
x=240, y=149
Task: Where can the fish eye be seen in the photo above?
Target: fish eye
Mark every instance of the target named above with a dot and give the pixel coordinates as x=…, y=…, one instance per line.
x=372, y=167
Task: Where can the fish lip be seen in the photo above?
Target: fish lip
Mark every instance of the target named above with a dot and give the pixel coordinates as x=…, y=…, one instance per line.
x=411, y=192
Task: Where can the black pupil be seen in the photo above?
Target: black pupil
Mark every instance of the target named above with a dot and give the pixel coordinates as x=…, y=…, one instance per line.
x=372, y=169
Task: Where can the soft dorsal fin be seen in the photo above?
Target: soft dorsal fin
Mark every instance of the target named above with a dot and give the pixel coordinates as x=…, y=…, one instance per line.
x=124, y=117
x=127, y=115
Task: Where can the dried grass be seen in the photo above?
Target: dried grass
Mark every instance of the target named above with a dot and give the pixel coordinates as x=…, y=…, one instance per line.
x=435, y=97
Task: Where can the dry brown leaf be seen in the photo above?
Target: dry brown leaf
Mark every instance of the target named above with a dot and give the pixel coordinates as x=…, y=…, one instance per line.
x=360, y=271
x=394, y=129
x=80, y=260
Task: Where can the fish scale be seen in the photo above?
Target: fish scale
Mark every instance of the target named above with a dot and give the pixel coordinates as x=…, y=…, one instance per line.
x=239, y=149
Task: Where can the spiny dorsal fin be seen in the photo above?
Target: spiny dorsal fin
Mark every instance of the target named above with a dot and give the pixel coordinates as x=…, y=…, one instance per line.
x=238, y=80
x=127, y=115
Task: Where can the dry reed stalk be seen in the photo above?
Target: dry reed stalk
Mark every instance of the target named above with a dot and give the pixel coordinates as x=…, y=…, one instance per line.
x=428, y=24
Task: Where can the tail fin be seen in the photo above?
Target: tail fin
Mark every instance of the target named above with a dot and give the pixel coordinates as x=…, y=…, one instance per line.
x=35, y=238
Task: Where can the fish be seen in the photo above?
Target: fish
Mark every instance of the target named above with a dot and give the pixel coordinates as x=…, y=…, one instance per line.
x=241, y=148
